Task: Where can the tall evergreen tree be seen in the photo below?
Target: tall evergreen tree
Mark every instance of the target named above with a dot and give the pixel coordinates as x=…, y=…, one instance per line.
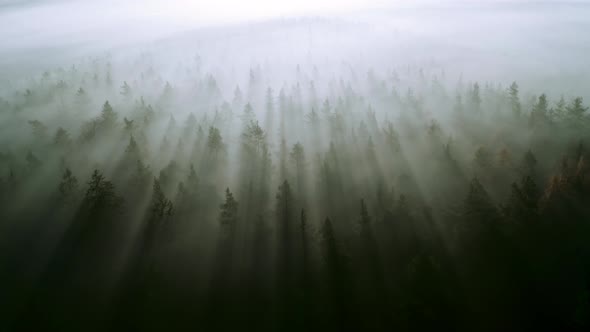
x=108, y=116
x=161, y=206
x=228, y=215
x=100, y=196
x=514, y=99
x=215, y=141
x=68, y=187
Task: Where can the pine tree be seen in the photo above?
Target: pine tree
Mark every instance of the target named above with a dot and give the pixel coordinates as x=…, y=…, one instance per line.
x=523, y=202
x=365, y=219
x=141, y=178
x=254, y=136
x=82, y=97
x=39, y=130
x=62, y=138
x=129, y=125
x=132, y=149
x=68, y=187
x=237, y=100
x=478, y=206
x=284, y=214
x=161, y=206
x=303, y=228
x=298, y=156
x=169, y=175
x=504, y=157
x=284, y=207
x=331, y=252
x=125, y=90
x=32, y=161
x=100, y=196
x=539, y=114
x=560, y=110
x=514, y=99
x=215, y=141
x=312, y=118
x=187, y=197
x=529, y=162
x=338, y=277
x=458, y=108
x=192, y=180
x=482, y=157
x=326, y=108
x=228, y=216
x=305, y=264
x=269, y=101
x=476, y=98
x=248, y=116
x=181, y=199
x=108, y=116
x=576, y=110
x=167, y=93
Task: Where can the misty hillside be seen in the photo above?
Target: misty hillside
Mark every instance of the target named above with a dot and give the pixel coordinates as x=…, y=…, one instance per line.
x=416, y=166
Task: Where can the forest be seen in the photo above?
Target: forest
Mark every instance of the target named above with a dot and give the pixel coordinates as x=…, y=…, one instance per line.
x=317, y=195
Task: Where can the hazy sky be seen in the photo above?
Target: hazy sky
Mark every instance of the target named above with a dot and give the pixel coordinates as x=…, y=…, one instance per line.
x=196, y=11
x=236, y=9
x=36, y=34
x=27, y=22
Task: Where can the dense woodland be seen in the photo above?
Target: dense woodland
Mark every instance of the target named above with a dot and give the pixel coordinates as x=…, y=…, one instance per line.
x=399, y=199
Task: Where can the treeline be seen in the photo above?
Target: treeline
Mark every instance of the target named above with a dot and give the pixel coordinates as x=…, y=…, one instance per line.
x=330, y=204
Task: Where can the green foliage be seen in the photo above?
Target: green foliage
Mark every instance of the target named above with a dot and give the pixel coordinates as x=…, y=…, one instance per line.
x=254, y=136
x=284, y=202
x=141, y=177
x=514, y=99
x=39, y=130
x=475, y=97
x=438, y=252
x=529, y=162
x=132, y=148
x=228, y=215
x=108, y=117
x=539, y=114
x=161, y=206
x=576, y=110
x=482, y=157
x=478, y=206
x=365, y=219
x=524, y=201
x=126, y=90
x=100, y=197
x=62, y=138
x=215, y=141
x=68, y=187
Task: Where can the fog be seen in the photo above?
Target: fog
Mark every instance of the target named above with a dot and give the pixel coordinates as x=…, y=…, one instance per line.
x=490, y=40
x=294, y=165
